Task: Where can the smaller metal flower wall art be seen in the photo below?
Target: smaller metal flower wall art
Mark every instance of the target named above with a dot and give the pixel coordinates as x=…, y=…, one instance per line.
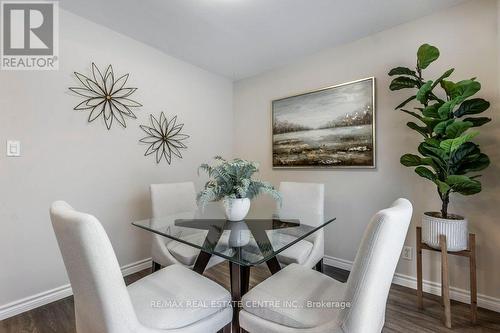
x=164, y=138
x=105, y=96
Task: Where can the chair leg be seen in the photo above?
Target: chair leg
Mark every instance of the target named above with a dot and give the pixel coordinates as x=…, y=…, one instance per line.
x=156, y=267
x=319, y=266
x=225, y=329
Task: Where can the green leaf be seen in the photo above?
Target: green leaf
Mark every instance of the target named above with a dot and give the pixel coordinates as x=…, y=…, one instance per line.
x=465, y=89
x=443, y=188
x=478, y=121
x=472, y=106
x=430, y=162
x=432, y=110
x=461, y=90
x=441, y=127
x=463, y=184
x=438, y=155
x=442, y=77
x=402, y=82
x=433, y=142
x=423, y=92
x=430, y=122
x=414, y=114
x=450, y=145
x=419, y=129
x=456, y=179
x=478, y=164
x=446, y=109
x=448, y=86
x=464, y=151
x=405, y=102
x=410, y=160
x=402, y=71
x=425, y=173
x=426, y=54
x=457, y=128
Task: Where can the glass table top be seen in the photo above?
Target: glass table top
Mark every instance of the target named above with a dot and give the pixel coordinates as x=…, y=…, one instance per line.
x=255, y=240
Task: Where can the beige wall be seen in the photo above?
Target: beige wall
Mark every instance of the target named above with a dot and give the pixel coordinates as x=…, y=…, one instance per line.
x=467, y=38
x=98, y=171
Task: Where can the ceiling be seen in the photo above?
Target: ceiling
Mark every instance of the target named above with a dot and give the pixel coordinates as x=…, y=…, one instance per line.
x=241, y=38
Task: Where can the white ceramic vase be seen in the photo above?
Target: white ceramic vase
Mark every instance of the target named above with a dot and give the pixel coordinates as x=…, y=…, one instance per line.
x=236, y=209
x=455, y=230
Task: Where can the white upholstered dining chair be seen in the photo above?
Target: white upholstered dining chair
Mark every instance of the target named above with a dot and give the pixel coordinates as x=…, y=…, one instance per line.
x=324, y=305
x=304, y=201
x=169, y=199
x=103, y=304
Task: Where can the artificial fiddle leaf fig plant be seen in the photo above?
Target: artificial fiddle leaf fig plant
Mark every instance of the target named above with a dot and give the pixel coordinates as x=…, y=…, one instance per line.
x=233, y=183
x=446, y=119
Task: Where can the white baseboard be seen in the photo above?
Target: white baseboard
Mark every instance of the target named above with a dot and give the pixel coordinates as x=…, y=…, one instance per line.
x=136, y=266
x=28, y=303
x=431, y=287
x=337, y=262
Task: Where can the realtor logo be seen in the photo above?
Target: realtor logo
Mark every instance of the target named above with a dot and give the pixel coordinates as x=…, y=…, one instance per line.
x=29, y=35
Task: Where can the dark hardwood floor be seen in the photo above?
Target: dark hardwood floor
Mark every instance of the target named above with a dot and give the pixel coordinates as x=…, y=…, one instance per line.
x=402, y=315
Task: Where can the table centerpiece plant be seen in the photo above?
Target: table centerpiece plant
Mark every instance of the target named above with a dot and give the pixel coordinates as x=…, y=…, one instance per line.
x=448, y=157
x=231, y=182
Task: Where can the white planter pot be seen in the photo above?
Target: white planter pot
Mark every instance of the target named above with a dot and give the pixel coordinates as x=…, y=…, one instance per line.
x=455, y=230
x=236, y=209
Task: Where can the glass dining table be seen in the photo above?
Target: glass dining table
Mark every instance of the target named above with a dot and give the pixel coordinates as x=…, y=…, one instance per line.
x=256, y=240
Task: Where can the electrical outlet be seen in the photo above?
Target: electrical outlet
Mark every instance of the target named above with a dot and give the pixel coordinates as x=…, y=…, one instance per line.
x=13, y=148
x=407, y=253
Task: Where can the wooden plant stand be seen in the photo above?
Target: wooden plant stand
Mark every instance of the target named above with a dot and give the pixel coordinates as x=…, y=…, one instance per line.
x=445, y=282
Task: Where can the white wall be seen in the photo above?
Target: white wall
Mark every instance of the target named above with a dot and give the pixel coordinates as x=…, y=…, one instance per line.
x=98, y=171
x=467, y=38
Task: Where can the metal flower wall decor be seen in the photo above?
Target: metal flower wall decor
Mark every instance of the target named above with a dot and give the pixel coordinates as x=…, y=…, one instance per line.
x=105, y=96
x=164, y=138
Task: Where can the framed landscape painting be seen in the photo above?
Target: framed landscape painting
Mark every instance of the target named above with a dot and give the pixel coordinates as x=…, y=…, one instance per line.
x=330, y=127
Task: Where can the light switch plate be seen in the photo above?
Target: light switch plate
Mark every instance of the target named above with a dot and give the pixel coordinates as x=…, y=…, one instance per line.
x=407, y=253
x=13, y=148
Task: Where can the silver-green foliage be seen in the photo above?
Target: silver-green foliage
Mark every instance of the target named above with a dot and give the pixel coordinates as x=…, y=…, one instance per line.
x=233, y=180
x=447, y=153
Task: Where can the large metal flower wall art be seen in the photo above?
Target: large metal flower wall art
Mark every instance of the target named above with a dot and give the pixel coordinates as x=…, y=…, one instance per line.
x=105, y=96
x=164, y=138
